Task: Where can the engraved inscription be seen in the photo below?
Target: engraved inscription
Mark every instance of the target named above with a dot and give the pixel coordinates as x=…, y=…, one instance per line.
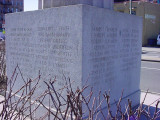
x=104, y=55
x=52, y=53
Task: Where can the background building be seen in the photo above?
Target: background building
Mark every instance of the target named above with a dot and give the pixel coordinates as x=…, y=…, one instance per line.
x=149, y=11
x=9, y=6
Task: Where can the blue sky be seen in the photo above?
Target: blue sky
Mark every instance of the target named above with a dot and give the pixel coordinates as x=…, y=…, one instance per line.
x=30, y=5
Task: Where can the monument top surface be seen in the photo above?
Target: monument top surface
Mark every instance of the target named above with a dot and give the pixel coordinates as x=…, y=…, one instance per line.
x=98, y=3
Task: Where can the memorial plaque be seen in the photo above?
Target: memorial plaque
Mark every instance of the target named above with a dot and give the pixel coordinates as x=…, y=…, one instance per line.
x=82, y=42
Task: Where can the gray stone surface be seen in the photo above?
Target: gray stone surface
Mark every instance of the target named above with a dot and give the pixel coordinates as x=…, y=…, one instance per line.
x=56, y=3
x=82, y=42
x=40, y=4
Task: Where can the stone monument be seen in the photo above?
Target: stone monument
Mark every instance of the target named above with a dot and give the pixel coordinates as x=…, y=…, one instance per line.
x=56, y=3
x=83, y=42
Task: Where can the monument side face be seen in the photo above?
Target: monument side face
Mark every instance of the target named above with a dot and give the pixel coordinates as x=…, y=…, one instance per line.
x=47, y=41
x=112, y=52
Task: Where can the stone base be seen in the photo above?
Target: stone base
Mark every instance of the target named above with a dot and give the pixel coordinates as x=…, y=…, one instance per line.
x=82, y=42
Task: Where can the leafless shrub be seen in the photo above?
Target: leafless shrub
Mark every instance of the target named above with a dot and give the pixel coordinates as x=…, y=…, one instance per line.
x=17, y=103
x=22, y=104
x=2, y=59
x=3, y=77
x=75, y=99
